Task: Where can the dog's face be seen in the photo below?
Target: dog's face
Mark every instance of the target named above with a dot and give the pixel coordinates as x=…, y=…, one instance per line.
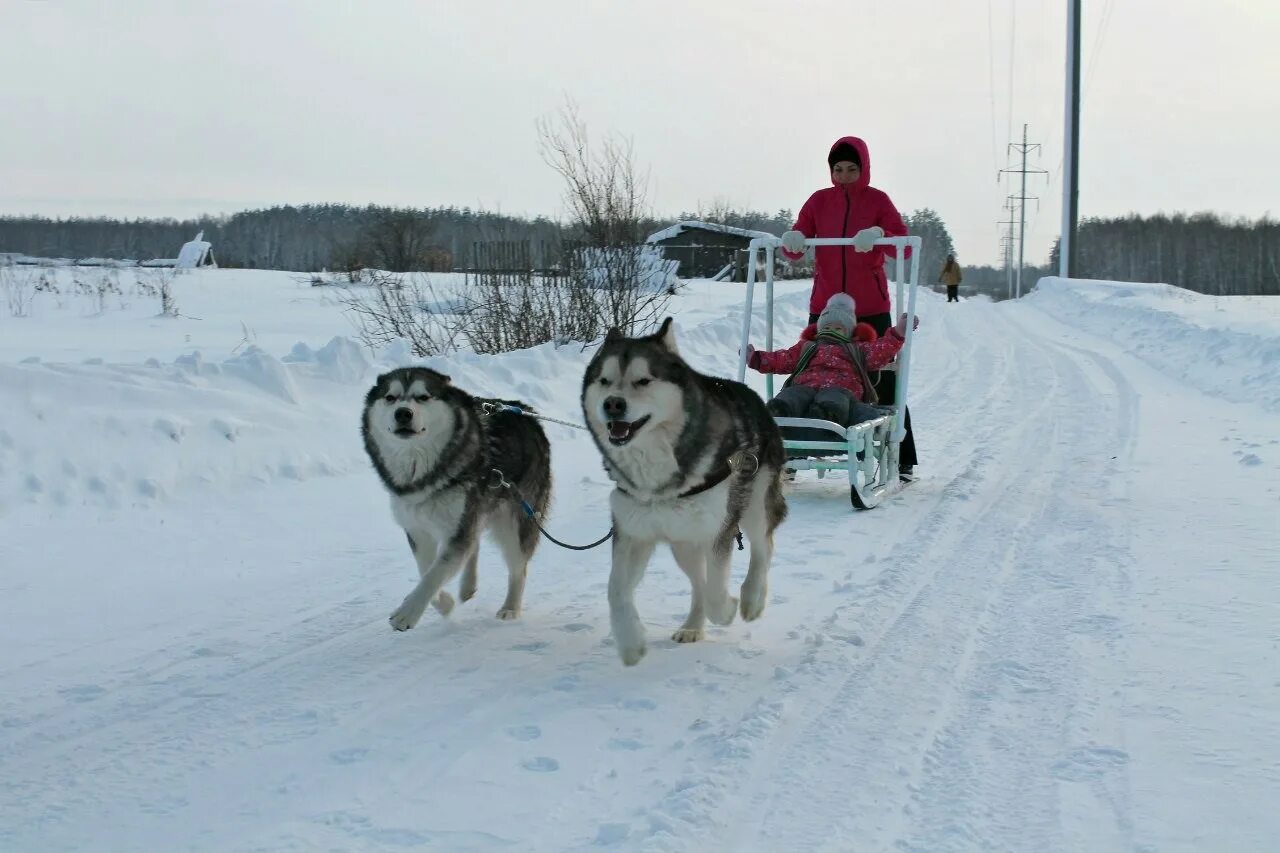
x=405, y=405
x=633, y=387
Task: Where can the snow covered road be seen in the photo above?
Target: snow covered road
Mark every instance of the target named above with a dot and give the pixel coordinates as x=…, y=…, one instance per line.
x=1064, y=636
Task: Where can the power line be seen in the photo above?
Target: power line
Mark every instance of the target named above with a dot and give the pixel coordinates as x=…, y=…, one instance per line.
x=1013, y=38
x=1105, y=20
x=991, y=83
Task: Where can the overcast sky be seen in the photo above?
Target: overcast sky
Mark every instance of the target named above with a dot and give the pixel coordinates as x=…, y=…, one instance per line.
x=175, y=108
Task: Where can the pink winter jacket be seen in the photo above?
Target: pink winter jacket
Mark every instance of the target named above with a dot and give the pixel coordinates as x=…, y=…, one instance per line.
x=830, y=366
x=842, y=211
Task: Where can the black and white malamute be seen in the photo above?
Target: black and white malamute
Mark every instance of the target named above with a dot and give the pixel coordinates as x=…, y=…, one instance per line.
x=444, y=459
x=695, y=460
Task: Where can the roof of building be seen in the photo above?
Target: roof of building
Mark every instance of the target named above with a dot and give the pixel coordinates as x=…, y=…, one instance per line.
x=695, y=225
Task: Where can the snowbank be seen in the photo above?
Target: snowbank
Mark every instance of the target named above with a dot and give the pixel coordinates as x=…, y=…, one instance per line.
x=1224, y=346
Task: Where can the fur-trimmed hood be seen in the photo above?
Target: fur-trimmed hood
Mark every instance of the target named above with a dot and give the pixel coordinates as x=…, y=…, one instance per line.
x=863, y=332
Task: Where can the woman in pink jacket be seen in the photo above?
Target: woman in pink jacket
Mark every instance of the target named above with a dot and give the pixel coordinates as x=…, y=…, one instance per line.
x=851, y=207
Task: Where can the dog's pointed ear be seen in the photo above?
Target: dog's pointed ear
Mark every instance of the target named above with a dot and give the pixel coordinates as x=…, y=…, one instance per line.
x=378, y=388
x=438, y=382
x=667, y=336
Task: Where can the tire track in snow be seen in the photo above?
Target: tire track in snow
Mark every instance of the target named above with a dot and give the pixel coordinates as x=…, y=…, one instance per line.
x=856, y=760
x=930, y=659
x=1032, y=736
x=769, y=730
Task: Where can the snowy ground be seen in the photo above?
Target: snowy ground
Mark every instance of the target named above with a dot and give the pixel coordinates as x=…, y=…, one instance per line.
x=1065, y=636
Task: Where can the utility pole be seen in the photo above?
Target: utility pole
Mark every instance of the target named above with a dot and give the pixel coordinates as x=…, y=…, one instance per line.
x=1022, y=197
x=1006, y=249
x=1006, y=242
x=1071, y=145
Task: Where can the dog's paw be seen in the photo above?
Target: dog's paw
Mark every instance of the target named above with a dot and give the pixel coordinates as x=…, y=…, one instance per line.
x=467, y=591
x=688, y=635
x=631, y=655
x=752, y=603
x=509, y=614
x=724, y=614
x=407, y=614
x=443, y=603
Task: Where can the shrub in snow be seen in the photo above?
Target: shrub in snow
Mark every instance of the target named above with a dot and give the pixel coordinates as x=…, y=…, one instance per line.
x=392, y=308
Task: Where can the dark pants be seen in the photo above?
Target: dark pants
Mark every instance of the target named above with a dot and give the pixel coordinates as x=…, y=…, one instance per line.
x=886, y=382
x=801, y=401
x=828, y=404
x=953, y=293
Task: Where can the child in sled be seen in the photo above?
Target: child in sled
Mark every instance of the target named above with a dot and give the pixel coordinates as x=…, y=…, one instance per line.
x=830, y=366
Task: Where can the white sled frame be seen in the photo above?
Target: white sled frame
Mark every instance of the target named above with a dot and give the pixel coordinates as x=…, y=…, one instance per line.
x=874, y=477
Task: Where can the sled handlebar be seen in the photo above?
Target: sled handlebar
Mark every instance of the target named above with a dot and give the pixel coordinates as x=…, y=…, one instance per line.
x=913, y=242
x=900, y=242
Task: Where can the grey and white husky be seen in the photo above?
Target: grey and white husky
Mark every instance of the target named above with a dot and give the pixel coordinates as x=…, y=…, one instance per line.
x=445, y=458
x=695, y=460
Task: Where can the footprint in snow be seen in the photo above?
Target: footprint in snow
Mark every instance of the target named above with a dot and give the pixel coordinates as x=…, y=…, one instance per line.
x=610, y=834
x=82, y=693
x=565, y=683
x=1087, y=763
x=524, y=733
x=171, y=427
x=640, y=705
x=348, y=756
x=625, y=744
x=540, y=764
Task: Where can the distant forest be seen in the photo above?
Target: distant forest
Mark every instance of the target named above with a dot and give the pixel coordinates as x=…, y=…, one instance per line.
x=304, y=238
x=1202, y=252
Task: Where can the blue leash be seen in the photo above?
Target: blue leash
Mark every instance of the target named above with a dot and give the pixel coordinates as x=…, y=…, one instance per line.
x=533, y=516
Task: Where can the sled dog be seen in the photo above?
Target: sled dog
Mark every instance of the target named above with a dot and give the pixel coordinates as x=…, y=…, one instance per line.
x=445, y=457
x=695, y=460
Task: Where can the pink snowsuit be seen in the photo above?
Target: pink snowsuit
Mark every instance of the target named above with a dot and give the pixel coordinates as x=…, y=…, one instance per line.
x=830, y=366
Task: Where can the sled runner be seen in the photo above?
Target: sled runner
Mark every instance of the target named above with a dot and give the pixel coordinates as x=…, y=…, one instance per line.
x=868, y=451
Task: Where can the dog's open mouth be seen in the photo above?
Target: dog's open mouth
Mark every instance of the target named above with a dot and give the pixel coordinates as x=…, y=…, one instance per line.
x=620, y=432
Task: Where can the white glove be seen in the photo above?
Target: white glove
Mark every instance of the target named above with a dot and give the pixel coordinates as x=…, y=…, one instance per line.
x=901, y=326
x=865, y=239
x=793, y=242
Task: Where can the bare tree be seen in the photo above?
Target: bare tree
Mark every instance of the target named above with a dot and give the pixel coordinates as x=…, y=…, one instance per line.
x=608, y=208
